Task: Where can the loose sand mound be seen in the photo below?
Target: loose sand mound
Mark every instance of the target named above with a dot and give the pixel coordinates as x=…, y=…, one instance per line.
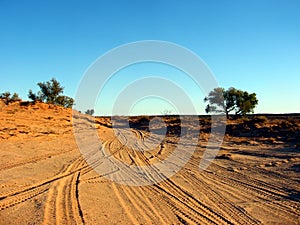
x=45, y=180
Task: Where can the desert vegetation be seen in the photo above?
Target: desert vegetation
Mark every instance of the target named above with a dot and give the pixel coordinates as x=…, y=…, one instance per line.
x=231, y=100
x=51, y=92
x=45, y=179
x=90, y=112
x=254, y=178
x=7, y=97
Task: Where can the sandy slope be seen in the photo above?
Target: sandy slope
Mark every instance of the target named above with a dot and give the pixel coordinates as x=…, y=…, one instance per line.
x=45, y=180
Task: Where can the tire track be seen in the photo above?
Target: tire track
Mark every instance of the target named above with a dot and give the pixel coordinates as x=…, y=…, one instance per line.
x=183, y=202
x=12, y=200
x=123, y=203
x=31, y=160
x=222, y=204
x=139, y=199
x=144, y=203
x=265, y=191
x=62, y=205
x=267, y=196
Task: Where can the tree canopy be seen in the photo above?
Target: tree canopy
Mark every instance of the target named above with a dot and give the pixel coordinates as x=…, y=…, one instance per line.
x=231, y=100
x=51, y=92
x=8, y=98
x=90, y=112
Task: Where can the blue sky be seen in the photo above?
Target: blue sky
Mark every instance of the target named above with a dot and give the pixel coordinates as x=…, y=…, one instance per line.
x=251, y=45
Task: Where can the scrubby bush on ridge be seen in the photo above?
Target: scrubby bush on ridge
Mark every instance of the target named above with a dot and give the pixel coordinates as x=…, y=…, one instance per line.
x=8, y=98
x=51, y=92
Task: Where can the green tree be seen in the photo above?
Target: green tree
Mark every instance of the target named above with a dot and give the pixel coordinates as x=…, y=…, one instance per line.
x=65, y=101
x=8, y=98
x=226, y=101
x=50, y=92
x=90, y=112
x=34, y=97
x=15, y=97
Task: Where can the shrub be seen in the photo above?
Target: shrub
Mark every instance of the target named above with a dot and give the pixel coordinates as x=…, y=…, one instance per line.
x=50, y=92
x=8, y=98
x=260, y=119
x=90, y=112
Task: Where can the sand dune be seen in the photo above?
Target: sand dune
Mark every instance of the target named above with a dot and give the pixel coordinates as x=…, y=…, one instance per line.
x=44, y=179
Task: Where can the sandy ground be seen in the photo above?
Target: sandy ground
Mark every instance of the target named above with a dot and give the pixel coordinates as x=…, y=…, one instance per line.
x=45, y=180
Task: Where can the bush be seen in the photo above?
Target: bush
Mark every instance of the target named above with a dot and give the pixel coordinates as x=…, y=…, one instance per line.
x=260, y=119
x=243, y=120
x=90, y=112
x=50, y=92
x=8, y=98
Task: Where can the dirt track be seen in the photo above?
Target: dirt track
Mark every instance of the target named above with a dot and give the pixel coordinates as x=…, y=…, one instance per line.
x=45, y=180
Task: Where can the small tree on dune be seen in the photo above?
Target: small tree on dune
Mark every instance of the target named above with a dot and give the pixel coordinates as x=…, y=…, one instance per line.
x=15, y=97
x=8, y=98
x=34, y=97
x=50, y=92
x=90, y=112
x=65, y=101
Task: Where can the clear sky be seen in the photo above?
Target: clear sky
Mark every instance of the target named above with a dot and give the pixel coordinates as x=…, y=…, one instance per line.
x=251, y=45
